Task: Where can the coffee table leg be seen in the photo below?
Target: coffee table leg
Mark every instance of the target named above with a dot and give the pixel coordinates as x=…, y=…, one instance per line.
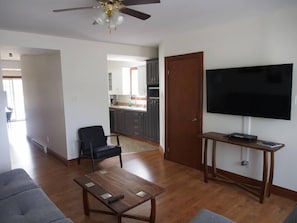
x=119, y=219
x=86, y=202
x=205, y=161
x=153, y=210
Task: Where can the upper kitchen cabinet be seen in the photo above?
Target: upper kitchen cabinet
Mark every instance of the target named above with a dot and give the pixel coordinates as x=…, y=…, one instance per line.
x=152, y=70
x=127, y=78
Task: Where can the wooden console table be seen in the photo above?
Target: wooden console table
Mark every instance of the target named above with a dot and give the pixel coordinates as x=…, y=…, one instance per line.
x=265, y=187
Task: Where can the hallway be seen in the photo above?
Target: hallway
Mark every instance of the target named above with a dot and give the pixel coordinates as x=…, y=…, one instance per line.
x=20, y=150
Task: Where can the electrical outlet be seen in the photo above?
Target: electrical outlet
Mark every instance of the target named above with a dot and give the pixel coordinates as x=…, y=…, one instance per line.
x=244, y=163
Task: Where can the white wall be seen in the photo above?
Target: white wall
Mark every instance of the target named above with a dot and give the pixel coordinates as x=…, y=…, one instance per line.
x=84, y=79
x=269, y=39
x=43, y=94
x=5, y=163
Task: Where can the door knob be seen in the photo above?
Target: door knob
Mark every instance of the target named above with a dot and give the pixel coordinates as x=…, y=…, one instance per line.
x=194, y=120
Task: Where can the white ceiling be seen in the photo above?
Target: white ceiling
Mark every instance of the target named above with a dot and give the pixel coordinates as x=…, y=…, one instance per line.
x=168, y=18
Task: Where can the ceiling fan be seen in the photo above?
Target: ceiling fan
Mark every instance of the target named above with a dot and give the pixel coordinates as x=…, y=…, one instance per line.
x=109, y=11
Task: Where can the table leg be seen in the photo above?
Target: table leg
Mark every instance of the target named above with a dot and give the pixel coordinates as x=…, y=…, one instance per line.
x=214, y=151
x=119, y=219
x=86, y=202
x=270, y=173
x=205, y=162
x=153, y=210
x=264, y=179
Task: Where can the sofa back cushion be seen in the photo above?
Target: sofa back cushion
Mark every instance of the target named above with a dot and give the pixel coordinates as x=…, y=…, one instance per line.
x=14, y=182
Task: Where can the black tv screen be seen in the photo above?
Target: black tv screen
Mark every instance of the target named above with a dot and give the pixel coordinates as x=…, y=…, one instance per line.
x=260, y=91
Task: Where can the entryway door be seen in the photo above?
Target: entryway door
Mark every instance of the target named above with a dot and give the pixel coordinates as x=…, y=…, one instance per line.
x=183, y=109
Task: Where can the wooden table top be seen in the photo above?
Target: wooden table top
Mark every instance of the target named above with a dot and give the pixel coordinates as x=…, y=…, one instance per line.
x=254, y=145
x=117, y=181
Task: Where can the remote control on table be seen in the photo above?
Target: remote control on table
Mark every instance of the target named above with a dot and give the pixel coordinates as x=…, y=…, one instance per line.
x=115, y=198
x=268, y=143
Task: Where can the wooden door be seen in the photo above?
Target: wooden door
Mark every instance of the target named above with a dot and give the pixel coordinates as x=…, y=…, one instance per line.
x=183, y=109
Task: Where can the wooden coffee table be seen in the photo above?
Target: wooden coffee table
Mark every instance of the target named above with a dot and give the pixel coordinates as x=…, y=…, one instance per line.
x=116, y=181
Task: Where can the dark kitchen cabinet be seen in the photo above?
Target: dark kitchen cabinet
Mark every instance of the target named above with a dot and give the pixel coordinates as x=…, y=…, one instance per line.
x=137, y=124
x=140, y=124
x=112, y=119
x=120, y=121
x=153, y=120
x=152, y=72
x=129, y=122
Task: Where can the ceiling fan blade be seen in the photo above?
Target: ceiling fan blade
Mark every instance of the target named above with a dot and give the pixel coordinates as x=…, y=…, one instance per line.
x=139, y=2
x=134, y=13
x=72, y=9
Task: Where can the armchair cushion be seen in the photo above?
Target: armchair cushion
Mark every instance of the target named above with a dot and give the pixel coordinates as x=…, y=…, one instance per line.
x=103, y=152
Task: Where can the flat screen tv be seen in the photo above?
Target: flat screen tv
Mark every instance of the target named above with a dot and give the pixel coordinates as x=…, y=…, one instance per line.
x=259, y=91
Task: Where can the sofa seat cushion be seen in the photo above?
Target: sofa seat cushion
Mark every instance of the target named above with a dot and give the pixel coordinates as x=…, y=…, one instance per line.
x=206, y=216
x=292, y=217
x=65, y=220
x=31, y=206
x=15, y=181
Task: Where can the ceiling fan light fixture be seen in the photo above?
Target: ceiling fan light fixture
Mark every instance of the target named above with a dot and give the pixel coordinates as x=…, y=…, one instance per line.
x=102, y=17
x=110, y=16
x=110, y=11
x=116, y=18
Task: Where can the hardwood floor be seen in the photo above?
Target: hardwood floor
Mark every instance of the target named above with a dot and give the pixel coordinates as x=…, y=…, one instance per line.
x=130, y=145
x=186, y=193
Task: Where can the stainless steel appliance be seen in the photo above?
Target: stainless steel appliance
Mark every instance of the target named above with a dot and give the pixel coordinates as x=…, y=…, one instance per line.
x=153, y=92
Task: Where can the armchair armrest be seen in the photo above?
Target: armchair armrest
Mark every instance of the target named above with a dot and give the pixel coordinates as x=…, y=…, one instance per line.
x=83, y=143
x=115, y=135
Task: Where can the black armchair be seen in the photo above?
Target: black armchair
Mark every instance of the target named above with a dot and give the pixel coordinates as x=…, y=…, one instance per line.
x=93, y=145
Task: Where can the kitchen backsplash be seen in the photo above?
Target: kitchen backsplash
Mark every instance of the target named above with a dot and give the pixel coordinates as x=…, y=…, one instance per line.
x=127, y=100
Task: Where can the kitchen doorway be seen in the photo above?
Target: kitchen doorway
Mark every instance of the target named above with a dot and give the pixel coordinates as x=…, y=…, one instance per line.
x=184, y=109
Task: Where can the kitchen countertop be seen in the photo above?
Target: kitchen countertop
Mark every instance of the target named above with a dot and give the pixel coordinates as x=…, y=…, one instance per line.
x=126, y=107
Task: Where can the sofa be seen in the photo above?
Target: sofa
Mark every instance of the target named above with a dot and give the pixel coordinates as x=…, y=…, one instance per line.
x=23, y=201
x=292, y=217
x=207, y=216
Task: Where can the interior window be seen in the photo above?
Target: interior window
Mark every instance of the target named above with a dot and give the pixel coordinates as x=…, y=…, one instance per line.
x=15, y=98
x=126, y=80
x=134, y=81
